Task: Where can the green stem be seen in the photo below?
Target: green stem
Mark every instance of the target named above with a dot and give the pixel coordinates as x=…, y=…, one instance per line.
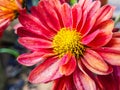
x=9, y=51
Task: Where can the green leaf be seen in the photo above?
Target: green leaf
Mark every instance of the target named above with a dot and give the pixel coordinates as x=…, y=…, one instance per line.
x=72, y=2
x=9, y=51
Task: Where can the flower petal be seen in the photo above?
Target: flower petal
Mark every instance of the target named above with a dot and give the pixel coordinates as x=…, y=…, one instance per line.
x=87, y=20
x=45, y=72
x=90, y=20
x=81, y=2
x=87, y=39
x=66, y=13
x=77, y=14
x=64, y=83
x=30, y=59
x=95, y=63
x=84, y=3
x=83, y=81
x=108, y=82
x=59, y=84
x=116, y=34
x=3, y=25
x=112, y=56
x=82, y=21
x=48, y=16
x=34, y=43
x=114, y=43
x=56, y=5
x=24, y=32
x=116, y=75
x=68, y=64
x=88, y=26
x=105, y=34
x=27, y=20
x=93, y=8
x=104, y=13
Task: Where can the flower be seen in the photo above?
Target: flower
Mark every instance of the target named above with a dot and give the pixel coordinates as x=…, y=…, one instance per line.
x=69, y=45
x=8, y=12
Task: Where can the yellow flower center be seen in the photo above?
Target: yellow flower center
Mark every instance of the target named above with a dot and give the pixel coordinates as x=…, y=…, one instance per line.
x=67, y=40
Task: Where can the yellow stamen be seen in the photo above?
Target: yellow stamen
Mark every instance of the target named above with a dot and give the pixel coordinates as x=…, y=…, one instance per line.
x=68, y=40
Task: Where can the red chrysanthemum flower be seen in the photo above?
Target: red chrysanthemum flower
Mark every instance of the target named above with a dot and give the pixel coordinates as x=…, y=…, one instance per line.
x=8, y=12
x=68, y=43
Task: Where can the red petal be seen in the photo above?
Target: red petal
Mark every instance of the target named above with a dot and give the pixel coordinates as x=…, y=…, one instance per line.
x=116, y=34
x=30, y=59
x=90, y=20
x=84, y=3
x=33, y=24
x=112, y=56
x=82, y=21
x=114, y=43
x=104, y=13
x=59, y=84
x=108, y=82
x=77, y=14
x=108, y=25
x=116, y=75
x=66, y=13
x=81, y=2
x=68, y=64
x=90, y=37
x=83, y=81
x=105, y=34
x=57, y=7
x=34, y=43
x=48, y=15
x=23, y=32
x=88, y=26
x=93, y=8
x=95, y=63
x=3, y=25
x=45, y=72
x=86, y=23
x=64, y=83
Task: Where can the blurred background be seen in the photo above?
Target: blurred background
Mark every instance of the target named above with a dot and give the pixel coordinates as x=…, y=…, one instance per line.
x=13, y=76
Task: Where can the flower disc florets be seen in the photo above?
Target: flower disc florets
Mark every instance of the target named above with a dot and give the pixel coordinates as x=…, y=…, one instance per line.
x=68, y=40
